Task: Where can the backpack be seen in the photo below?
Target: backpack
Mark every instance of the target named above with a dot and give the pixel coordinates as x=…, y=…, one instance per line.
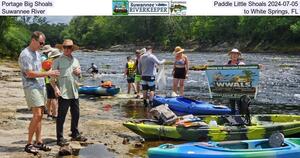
x=163, y=114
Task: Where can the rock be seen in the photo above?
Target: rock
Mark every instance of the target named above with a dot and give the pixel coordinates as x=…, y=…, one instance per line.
x=138, y=145
x=125, y=141
x=65, y=150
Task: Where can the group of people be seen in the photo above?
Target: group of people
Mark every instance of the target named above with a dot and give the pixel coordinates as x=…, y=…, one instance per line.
x=61, y=83
x=142, y=72
x=62, y=78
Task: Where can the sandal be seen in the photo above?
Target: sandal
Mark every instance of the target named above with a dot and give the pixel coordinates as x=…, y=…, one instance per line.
x=29, y=148
x=42, y=146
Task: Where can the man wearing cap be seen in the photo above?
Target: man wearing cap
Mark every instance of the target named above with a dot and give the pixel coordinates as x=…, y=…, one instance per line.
x=66, y=89
x=147, y=68
x=34, y=89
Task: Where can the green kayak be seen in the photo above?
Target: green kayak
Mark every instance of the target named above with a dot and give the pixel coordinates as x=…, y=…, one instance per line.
x=262, y=126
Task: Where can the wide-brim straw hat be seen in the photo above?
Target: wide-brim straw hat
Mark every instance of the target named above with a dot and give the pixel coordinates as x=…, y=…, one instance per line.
x=178, y=50
x=67, y=42
x=46, y=48
x=138, y=51
x=54, y=53
x=234, y=51
x=143, y=50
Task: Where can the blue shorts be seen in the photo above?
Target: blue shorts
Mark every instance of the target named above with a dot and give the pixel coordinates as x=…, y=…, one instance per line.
x=148, y=83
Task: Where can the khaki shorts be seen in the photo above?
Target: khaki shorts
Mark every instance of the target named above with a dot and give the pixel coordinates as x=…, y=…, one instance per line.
x=35, y=97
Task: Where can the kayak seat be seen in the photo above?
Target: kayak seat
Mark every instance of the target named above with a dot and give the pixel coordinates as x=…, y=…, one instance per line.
x=265, y=145
x=262, y=145
x=234, y=145
x=233, y=120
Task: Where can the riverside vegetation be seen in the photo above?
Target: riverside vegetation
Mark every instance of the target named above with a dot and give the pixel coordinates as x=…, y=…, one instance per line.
x=195, y=33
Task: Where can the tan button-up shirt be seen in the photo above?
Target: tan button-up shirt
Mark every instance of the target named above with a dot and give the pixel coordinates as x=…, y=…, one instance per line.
x=67, y=81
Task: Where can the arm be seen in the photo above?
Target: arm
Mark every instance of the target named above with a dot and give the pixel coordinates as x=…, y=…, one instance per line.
x=126, y=69
x=140, y=66
x=25, y=64
x=36, y=74
x=173, y=71
x=186, y=65
x=158, y=62
x=88, y=69
x=55, y=87
x=53, y=81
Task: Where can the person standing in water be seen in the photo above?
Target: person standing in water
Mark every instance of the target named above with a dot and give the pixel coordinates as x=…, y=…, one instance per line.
x=130, y=74
x=138, y=78
x=180, y=70
x=94, y=69
x=148, y=70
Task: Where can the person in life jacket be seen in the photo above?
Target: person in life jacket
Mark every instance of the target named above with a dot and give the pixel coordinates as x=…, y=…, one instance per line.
x=130, y=74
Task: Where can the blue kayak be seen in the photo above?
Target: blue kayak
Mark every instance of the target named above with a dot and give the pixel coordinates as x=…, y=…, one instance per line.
x=101, y=91
x=189, y=106
x=259, y=148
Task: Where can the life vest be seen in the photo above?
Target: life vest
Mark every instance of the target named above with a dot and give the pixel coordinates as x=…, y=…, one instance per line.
x=106, y=84
x=130, y=67
x=46, y=66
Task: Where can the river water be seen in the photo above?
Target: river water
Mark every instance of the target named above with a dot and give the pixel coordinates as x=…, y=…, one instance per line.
x=279, y=90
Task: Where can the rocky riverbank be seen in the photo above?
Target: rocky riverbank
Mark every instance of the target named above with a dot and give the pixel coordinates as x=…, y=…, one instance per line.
x=193, y=46
x=15, y=118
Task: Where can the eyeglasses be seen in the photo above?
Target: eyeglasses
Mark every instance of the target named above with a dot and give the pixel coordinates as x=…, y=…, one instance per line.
x=41, y=43
x=68, y=47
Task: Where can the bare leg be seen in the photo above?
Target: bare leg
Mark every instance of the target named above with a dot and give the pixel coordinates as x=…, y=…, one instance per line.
x=181, y=86
x=35, y=124
x=138, y=88
x=128, y=88
x=54, y=107
x=133, y=87
x=175, y=85
x=48, y=104
x=145, y=96
x=151, y=95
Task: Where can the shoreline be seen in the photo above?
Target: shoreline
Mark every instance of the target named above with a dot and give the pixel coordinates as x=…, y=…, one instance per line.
x=15, y=118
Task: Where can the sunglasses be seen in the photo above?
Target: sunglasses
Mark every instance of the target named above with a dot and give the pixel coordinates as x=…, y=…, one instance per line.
x=41, y=43
x=68, y=47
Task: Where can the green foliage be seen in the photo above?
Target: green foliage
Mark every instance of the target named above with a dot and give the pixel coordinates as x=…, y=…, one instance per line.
x=16, y=39
x=53, y=32
x=277, y=33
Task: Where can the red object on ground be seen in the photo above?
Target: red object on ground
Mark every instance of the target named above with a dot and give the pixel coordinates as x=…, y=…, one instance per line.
x=46, y=65
x=107, y=107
